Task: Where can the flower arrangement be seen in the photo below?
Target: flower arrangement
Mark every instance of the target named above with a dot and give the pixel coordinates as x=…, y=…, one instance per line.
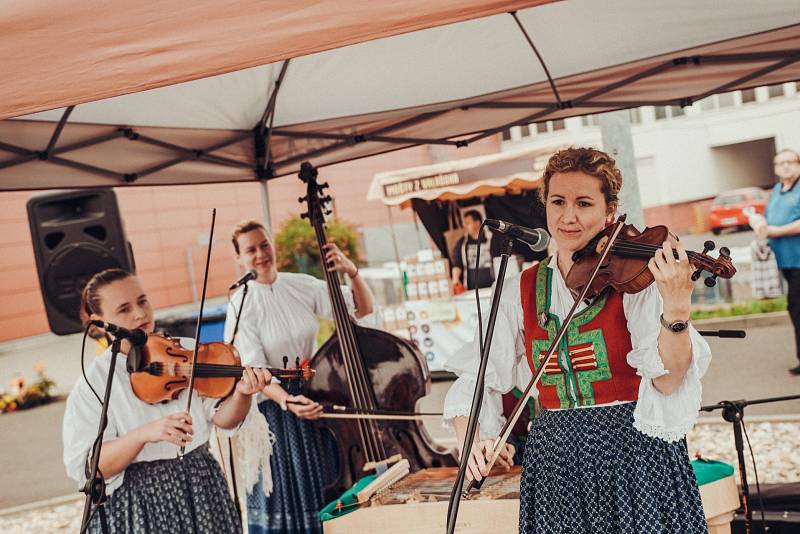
x=20, y=397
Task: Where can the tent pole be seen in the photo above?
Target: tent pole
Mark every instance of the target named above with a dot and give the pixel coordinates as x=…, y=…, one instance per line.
x=265, y=214
x=394, y=237
x=615, y=130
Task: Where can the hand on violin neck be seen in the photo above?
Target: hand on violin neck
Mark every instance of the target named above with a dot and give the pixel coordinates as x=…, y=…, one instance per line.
x=254, y=379
x=673, y=279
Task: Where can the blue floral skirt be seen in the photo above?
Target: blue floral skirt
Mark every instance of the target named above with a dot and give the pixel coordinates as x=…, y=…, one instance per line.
x=296, y=499
x=588, y=470
x=188, y=496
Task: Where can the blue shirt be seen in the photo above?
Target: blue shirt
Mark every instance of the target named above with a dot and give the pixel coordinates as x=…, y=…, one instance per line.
x=784, y=208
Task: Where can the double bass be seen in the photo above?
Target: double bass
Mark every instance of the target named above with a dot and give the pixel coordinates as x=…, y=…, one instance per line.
x=371, y=371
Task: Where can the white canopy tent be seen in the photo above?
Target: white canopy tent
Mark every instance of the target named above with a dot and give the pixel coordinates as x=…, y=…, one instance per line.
x=481, y=72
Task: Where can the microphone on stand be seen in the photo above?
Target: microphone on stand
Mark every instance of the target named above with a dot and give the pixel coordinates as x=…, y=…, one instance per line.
x=249, y=275
x=536, y=238
x=137, y=336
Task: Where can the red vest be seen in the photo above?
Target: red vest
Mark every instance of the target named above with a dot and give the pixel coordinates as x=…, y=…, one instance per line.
x=590, y=366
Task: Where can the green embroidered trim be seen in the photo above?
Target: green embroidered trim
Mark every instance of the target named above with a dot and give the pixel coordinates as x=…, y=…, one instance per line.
x=569, y=382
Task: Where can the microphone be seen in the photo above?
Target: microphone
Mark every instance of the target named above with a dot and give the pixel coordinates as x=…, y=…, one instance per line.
x=249, y=275
x=137, y=336
x=536, y=238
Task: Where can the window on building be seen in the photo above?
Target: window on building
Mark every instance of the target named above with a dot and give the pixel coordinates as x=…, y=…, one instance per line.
x=775, y=91
x=748, y=95
x=524, y=130
x=541, y=127
x=558, y=124
x=676, y=111
x=589, y=120
x=661, y=113
x=707, y=104
x=635, y=116
x=725, y=100
x=506, y=135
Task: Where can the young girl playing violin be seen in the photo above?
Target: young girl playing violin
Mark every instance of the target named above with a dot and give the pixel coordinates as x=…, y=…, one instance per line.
x=149, y=488
x=606, y=453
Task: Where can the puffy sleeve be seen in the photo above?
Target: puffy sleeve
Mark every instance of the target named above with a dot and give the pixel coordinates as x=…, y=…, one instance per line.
x=248, y=336
x=322, y=300
x=502, y=370
x=81, y=420
x=668, y=417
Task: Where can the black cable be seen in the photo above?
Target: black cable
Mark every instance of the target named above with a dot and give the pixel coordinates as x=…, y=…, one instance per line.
x=755, y=473
x=83, y=369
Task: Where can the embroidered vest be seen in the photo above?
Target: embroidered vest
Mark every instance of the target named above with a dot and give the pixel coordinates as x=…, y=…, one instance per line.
x=590, y=365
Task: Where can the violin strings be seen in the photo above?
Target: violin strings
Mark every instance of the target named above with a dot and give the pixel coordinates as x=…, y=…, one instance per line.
x=651, y=249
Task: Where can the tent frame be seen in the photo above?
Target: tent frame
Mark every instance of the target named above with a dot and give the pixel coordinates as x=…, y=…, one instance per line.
x=265, y=167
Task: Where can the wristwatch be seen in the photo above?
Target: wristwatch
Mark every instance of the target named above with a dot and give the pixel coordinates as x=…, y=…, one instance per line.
x=675, y=327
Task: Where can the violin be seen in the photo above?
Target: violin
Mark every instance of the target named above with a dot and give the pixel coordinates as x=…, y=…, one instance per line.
x=625, y=268
x=163, y=369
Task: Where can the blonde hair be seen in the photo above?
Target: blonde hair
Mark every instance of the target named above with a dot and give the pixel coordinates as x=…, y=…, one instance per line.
x=590, y=161
x=247, y=225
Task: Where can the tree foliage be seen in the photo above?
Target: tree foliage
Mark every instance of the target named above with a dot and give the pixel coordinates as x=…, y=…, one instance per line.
x=297, y=250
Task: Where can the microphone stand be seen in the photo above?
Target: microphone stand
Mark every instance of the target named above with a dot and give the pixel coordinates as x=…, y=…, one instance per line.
x=733, y=412
x=95, y=487
x=239, y=313
x=477, y=397
x=230, y=440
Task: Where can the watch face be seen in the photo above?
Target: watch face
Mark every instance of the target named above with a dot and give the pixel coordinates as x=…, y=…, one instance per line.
x=679, y=326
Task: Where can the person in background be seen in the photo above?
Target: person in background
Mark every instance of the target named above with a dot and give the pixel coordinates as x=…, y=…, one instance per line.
x=464, y=254
x=782, y=228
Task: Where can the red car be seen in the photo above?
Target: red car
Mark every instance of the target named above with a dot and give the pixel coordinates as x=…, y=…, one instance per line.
x=726, y=211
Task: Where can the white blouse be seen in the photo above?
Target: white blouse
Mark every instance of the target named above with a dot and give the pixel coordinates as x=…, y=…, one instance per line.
x=281, y=319
x=668, y=417
x=125, y=413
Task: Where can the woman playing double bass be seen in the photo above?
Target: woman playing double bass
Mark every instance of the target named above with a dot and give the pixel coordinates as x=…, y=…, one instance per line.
x=606, y=454
x=280, y=317
x=149, y=489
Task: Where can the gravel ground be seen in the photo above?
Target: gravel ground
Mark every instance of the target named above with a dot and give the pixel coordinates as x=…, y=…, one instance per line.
x=775, y=445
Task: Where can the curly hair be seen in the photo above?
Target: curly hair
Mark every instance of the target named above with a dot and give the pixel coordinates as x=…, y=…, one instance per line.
x=247, y=225
x=587, y=160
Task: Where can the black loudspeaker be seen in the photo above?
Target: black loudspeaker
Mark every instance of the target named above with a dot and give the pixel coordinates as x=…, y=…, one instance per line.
x=76, y=234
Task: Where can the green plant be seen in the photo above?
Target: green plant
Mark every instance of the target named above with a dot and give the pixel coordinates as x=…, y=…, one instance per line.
x=752, y=307
x=297, y=249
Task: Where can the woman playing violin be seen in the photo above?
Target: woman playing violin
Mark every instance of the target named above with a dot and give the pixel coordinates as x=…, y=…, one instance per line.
x=280, y=318
x=149, y=489
x=606, y=454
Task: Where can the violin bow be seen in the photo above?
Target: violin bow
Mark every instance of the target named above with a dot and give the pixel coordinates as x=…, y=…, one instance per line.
x=501, y=440
x=199, y=324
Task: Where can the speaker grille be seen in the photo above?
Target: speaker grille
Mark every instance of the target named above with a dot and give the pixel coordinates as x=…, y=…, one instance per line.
x=68, y=273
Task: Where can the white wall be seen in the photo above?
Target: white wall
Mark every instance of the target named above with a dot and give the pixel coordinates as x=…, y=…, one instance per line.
x=688, y=157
